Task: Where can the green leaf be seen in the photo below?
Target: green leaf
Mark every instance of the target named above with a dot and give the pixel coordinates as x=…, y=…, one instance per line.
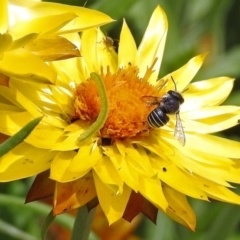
x=227, y=219
x=42, y=209
x=14, y=232
x=17, y=138
x=49, y=219
x=82, y=224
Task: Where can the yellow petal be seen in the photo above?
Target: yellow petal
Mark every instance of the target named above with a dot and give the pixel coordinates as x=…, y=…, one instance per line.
x=211, y=160
x=70, y=142
x=5, y=42
x=24, y=161
x=153, y=43
x=4, y=82
x=179, y=208
x=217, y=192
x=106, y=55
x=72, y=195
x=75, y=126
x=39, y=100
x=127, y=173
x=213, y=124
x=153, y=144
x=233, y=174
x=127, y=51
x=113, y=204
x=60, y=168
x=16, y=120
x=51, y=48
x=72, y=65
x=108, y=174
x=184, y=75
x=24, y=101
x=44, y=136
x=151, y=189
x=43, y=25
x=88, y=18
x=143, y=161
x=138, y=158
x=87, y=156
x=21, y=42
x=82, y=69
x=211, y=92
x=125, y=170
x=207, y=145
x=22, y=64
x=207, y=112
x=3, y=16
x=171, y=175
x=62, y=98
x=88, y=49
x=94, y=47
x=10, y=108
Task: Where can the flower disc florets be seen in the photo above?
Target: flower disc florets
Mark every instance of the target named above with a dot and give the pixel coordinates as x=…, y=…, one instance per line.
x=127, y=112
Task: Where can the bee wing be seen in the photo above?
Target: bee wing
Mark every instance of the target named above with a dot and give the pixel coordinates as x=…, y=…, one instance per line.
x=179, y=132
x=151, y=100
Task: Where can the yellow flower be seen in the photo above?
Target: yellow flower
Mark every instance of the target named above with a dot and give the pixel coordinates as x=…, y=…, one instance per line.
x=128, y=165
x=31, y=32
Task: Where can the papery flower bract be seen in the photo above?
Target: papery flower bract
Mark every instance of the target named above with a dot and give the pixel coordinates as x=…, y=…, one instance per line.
x=128, y=166
x=32, y=31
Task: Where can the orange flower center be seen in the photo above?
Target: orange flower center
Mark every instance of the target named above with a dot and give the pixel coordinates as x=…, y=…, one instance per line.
x=127, y=111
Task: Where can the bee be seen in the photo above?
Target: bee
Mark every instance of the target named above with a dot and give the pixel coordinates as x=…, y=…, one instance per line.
x=167, y=104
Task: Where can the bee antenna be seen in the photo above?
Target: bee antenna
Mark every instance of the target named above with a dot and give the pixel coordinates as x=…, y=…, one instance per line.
x=174, y=83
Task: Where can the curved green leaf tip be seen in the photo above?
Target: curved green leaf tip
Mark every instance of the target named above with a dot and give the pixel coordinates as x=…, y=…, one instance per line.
x=48, y=221
x=102, y=117
x=17, y=138
x=82, y=224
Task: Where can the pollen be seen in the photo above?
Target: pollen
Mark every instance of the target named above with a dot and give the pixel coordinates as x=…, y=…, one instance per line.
x=127, y=111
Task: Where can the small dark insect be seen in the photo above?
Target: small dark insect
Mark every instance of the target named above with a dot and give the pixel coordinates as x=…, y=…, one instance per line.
x=109, y=42
x=167, y=104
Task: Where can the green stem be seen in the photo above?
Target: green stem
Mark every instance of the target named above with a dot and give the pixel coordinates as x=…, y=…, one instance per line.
x=102, y=117
x=82, y=224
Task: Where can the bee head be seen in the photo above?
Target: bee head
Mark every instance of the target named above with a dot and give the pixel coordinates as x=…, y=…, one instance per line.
x=176, y=95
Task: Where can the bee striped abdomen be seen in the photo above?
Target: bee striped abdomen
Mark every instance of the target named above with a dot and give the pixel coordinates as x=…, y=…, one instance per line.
x=157, y=118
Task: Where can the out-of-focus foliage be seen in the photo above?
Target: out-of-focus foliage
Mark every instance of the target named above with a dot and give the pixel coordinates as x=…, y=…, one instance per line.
x=195, y=27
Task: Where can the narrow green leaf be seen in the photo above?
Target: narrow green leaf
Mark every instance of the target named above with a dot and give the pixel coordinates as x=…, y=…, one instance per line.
x=42, y=209
x=225, y=222
x=102, y=117
x=164, y=230
x=15, y=232
x=82, y=224
x=17, y=138
x=48, y=221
